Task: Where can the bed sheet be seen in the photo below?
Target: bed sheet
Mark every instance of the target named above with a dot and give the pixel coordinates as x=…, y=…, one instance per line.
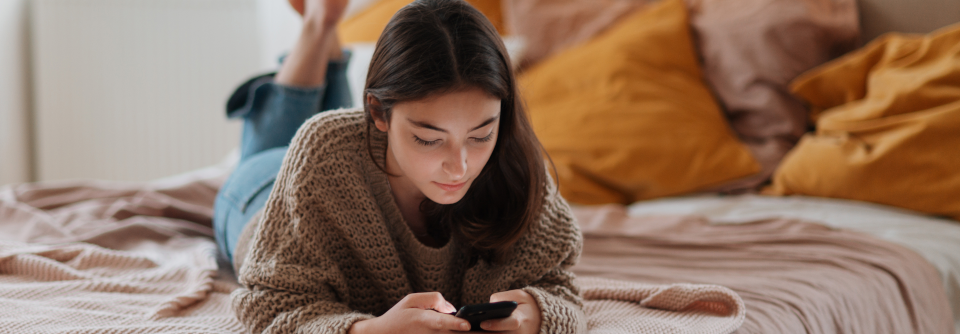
x=935, y=239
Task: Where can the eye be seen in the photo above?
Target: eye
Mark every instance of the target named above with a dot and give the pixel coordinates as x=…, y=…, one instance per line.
x=424, y=142
x=489, y=137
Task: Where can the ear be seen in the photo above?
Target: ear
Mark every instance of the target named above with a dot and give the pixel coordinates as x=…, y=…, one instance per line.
x=376, y=112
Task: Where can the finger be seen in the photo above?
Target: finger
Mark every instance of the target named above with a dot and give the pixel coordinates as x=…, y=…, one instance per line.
x=510, y=295
x=449, y=308
x=510, y=323
x=439, y=304
x=440, y=322
x=429, y=301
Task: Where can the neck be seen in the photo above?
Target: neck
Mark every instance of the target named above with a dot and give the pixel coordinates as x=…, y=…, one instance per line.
x=409, y=203
x=408, y=199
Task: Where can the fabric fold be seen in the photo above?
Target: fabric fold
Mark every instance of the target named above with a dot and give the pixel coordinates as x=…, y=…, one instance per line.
x=614, y=306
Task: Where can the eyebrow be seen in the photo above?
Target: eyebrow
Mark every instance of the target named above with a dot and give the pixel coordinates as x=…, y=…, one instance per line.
x=426, y=125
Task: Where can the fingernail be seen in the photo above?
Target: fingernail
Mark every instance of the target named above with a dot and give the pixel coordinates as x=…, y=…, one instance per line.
x=464, y=326
x=485, y=324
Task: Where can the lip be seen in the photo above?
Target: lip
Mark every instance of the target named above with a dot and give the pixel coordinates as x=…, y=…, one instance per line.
x=450, y=187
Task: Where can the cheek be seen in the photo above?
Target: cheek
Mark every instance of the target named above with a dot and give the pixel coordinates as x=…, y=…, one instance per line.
x=478, y=158
x=424, y=165
x=414, y=163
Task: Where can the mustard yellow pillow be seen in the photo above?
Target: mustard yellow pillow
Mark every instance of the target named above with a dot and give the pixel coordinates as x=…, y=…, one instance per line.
x=888, y=126
x=627, y=116
x=367, y=25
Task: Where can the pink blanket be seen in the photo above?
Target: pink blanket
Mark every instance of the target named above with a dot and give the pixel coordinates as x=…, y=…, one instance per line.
x=794, y=277
x=84, y=257
x=137, y=258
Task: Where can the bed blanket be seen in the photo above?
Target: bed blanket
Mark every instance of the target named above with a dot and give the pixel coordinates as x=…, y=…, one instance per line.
x=85, y=257
x=97, y=257
x=793, y=276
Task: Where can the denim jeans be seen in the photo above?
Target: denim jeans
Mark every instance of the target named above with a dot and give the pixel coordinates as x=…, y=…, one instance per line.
x=271, y=115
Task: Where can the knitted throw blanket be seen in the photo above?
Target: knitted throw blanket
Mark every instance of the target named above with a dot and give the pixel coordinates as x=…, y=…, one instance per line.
x=628, y=307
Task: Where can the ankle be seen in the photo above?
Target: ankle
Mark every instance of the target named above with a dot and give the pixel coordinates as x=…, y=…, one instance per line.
x=336, y=50
x=316, y=28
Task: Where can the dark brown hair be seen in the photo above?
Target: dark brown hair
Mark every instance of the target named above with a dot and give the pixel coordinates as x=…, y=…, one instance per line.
x=439, y=46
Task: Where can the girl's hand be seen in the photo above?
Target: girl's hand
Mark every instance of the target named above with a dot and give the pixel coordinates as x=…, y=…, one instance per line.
x=524, y=320
x=425, y=312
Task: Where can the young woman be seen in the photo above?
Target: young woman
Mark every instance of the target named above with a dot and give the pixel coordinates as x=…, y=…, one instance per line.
x=382, y=219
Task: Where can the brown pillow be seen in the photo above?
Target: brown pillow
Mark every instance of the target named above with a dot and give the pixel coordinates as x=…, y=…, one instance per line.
x=752, y=49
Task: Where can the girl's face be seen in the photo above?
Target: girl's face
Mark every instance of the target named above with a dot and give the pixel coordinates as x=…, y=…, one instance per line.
x=438, y=145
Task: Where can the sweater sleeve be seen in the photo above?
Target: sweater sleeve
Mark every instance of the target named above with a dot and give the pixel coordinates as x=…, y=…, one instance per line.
x=561, y=310
x=556, y=294
x=267, y=310
x=289, y=281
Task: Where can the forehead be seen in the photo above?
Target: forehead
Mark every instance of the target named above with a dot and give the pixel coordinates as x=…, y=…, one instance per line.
x=461, y=108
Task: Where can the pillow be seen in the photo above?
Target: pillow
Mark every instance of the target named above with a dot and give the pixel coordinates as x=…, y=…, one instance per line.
x=367, y=25
x=353, y=7
x=549, y=26
x=888, y=126
x=751, y=51
x=626, y=116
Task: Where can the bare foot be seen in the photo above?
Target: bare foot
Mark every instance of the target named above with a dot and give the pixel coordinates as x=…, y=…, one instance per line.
x=297, y=6
x=306, y=64
x=328, y=12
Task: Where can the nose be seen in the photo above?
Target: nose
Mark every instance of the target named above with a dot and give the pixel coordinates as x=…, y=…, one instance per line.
x=455, y=164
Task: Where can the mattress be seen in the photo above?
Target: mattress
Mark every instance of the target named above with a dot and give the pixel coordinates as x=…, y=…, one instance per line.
x=935, y=239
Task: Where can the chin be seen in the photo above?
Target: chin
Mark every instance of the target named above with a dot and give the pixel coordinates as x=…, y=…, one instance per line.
x=441, y=196
x=447, y=199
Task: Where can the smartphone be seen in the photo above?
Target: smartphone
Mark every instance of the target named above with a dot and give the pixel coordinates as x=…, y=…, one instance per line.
x=476, y=314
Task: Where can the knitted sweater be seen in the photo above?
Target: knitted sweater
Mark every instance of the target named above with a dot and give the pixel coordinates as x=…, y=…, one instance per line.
x=332, y=248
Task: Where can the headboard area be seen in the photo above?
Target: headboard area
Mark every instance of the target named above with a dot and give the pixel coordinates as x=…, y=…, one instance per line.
x=911, y=16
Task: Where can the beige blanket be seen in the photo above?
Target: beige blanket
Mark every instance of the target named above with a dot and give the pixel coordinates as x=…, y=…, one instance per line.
x=93, y=257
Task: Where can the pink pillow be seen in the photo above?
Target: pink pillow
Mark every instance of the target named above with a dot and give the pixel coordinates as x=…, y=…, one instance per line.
x=548, y=26
x=751, y=51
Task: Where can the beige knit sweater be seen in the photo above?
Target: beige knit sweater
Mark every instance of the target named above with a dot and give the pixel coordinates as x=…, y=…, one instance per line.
x=332, y=247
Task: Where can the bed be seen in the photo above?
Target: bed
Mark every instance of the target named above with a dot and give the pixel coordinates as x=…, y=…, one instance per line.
x=138, y=257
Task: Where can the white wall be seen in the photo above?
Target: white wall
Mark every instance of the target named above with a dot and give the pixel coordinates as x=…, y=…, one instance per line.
x=135, y=89
x=278, y=28
x=14, y=96
x=912, y=16
x=129, y=89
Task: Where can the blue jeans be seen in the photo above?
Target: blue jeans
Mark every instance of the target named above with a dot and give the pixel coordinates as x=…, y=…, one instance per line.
x=271, y=115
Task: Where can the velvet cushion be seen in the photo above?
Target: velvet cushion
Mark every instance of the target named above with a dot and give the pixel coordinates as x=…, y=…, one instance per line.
x=550, y=26
x=751, y=51
x=627, y=116
x=888, y=126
